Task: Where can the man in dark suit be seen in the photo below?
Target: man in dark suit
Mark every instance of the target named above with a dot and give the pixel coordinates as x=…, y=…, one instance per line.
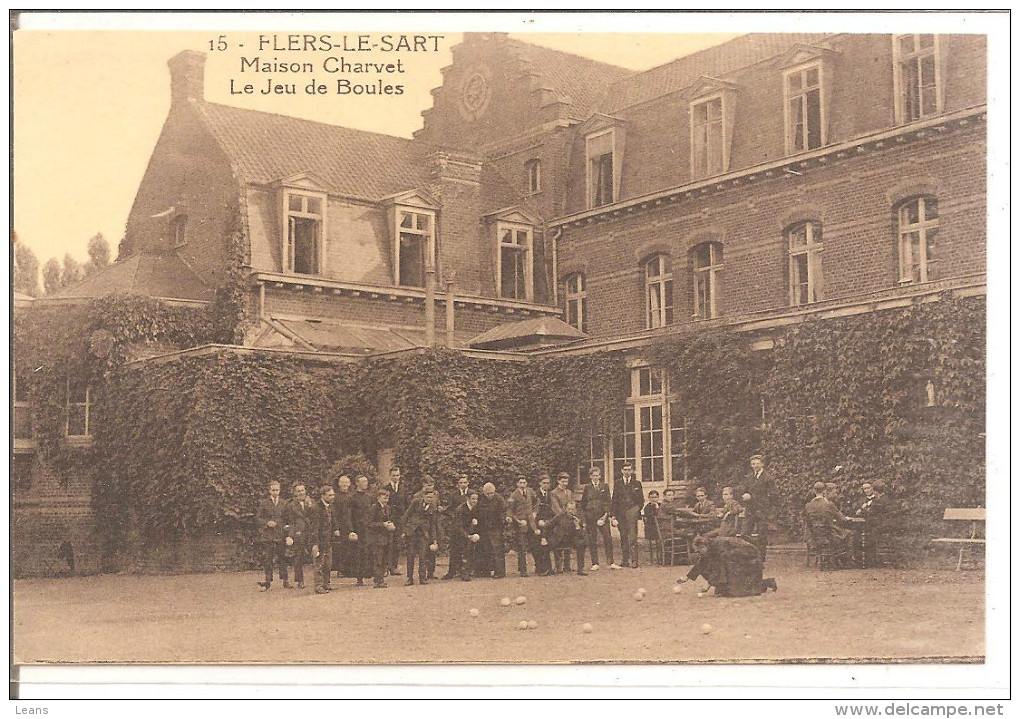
x=520, y=507
x=759, y=485
x=560, y=497
x=492, y=519
x=400, y=499
x=421, y=530
x=298, y=527
x=568, y=532
x=345, y=554
x=271, y=520
x=323, y=531
x=361, y=504
x=628, y=499
x=825, y=523
x=542, y=545
x=465, y=529
x=381, y=531
x=874, y=513
x=456, y=499
x=594, y=507
x=730, y=564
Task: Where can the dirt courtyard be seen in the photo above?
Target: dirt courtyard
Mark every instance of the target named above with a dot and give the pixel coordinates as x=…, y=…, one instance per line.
x=874, y=615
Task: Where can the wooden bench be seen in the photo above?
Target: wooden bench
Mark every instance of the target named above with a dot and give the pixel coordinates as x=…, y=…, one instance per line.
x=959, y=514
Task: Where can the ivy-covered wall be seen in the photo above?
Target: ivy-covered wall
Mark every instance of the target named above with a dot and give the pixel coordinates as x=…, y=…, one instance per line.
x=183, y=448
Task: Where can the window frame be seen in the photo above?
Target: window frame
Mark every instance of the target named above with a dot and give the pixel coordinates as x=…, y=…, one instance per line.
x=528, y=258
x=288, y=251
x=87, y=404
x=666, y=314
x=802, y=69
x=899, y=82
x=23, y=421
x=430, y=241
x=696, y=172
x=923, y=227
x=812, y=249
x=711, y=271
x=178, y=231
x=589, y=186
x=578, y=296
x=637, y=402
x=533, y=170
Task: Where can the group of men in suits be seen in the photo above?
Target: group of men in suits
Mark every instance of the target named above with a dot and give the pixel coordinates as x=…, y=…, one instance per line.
x=829, y=528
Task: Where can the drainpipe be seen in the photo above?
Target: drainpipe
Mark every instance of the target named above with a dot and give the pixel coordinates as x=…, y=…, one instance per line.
x=430, y=306
x=557, y=233
x=449, y=308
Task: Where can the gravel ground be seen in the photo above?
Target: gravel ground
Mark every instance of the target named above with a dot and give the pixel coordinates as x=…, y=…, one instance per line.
x=876, y=615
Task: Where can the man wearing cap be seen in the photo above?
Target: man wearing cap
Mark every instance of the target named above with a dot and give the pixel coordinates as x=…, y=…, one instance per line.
x=759, y=485
x=594, y=507
x=824, y=522
x=559, y=498
x=628, y=499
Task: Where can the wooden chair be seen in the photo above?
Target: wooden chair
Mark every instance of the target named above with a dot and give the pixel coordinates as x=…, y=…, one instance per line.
x=823, y=554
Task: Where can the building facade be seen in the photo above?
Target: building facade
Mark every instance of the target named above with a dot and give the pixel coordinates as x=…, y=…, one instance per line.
x=552, y=205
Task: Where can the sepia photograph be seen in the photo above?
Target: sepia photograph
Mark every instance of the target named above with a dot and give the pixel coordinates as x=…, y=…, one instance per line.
x=355, y=343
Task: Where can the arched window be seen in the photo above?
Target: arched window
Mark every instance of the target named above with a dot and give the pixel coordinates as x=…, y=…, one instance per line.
x=576, y=298
x=805, y=243
x=658, y=291
x=917, y=230
x=706, y=262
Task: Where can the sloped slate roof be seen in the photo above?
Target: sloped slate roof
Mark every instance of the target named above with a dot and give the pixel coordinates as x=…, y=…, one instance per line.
x=264, y=147
x=583, y=80
x=143, y=274
x=339, y=337
x=716, y=61
x=537, y=329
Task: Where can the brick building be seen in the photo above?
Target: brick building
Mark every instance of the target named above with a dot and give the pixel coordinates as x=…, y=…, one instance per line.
x=551, y=205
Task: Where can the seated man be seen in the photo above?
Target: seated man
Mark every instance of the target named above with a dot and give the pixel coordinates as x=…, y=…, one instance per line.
x=731, y=565
x=703, y=506
x=825, y=524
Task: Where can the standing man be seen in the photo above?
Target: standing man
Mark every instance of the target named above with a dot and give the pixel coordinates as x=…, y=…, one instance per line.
x=381, y=532
x=520, y=508
x=560, y=497
x=271, y=520
x=345, y=560
x=543, y=515
x=323, y=531
x=492, y=519
x=568, y=533
x=873, y=512
x=594, y=507
x=759, y=486
x=298, y=517
x=361, y=506
x=421, y=529
x=400, y=499
x=465, y=529
x=628, y=499
x=458, y=498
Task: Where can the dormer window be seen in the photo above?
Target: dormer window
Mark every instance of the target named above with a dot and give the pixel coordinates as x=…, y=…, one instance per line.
x=917, y=77
x=178, y=236
x=533, y=168
x=416, y=246
x=601, y=168
x=708, y=152
x=805, y=128
x=305, y=222
x=515, y=276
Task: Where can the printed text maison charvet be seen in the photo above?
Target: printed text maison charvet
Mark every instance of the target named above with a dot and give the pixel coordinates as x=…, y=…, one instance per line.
x=343, y=68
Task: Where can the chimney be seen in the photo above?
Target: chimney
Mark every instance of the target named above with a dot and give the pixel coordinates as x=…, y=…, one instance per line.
x=187, y=76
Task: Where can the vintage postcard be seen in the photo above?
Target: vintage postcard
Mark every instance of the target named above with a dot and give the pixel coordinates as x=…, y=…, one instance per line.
x=372, y=340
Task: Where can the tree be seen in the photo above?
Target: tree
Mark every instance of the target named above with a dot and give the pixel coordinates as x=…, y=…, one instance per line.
x=72, y=273
x=51, y=275
x=99, y=254
x=26, y=269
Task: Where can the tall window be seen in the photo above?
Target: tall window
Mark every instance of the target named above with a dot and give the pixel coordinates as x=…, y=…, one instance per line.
x=804, y=128
x=415, y=246
x=515, y=271
x=707, y=152
x=78, y=407
x=918, y=231
x=599, y=151
x=304, y=233
x=643, y=441
x=805, y=241
x=706, y=262
x=534, y=172
x=596, y=458
x=178, y=232
x=658, y=291
x=576, y=298
x=22, y=409
x=916, y=77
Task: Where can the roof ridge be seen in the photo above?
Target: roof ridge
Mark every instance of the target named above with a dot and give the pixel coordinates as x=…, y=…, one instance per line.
x=606, y=65
x=294, y=118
